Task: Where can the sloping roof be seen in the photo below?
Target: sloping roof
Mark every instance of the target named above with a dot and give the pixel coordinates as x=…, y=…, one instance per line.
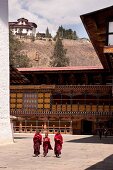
x=28, y=24
x=59, y=68
x=96, y=27
x=16, y=77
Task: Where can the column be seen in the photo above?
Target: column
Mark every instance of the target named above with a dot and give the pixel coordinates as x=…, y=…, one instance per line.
x=36, y=124
x=20, y=126
x=59, y=123
x=71, y=127
x=85, y=94
x=25, y=126
x=5, y=125
x=48, y=125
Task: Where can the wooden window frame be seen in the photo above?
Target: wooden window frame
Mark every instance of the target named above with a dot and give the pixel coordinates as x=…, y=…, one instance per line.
x=109, y=33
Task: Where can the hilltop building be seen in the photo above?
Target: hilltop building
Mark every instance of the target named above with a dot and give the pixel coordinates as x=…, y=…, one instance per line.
x=22, y=27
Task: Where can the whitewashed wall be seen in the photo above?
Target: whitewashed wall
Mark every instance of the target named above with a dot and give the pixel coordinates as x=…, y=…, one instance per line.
x=28, y=31
x=5, y=126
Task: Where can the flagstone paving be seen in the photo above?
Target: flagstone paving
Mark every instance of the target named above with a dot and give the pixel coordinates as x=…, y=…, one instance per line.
x=79, y=153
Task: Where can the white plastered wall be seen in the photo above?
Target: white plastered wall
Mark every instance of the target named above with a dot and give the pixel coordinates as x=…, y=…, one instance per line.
x=5, y=126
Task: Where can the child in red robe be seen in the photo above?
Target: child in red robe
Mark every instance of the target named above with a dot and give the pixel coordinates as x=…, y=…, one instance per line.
x=37, y=140
x=58, y=143
x=46, y=144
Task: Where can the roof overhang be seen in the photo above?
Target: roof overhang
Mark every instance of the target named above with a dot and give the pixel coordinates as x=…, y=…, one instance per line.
x=60, y=69
x=96, y=27
x=16, y=77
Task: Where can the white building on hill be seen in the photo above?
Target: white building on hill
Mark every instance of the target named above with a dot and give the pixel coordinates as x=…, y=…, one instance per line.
x=23, y=28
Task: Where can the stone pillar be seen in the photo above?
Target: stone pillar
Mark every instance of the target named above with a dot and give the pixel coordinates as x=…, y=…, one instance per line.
x=5, y=125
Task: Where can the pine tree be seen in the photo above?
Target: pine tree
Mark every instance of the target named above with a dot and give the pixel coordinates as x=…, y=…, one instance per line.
x=60, y=32
x=59, y=58
x=75, y=37
x=48, y=35
x=66, y=33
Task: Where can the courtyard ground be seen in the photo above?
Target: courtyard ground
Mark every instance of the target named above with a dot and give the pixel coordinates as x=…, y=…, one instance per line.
x=79, y=153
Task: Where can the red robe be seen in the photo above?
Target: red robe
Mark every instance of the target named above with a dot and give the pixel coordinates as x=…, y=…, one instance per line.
x=46, y=145
x=37, y=139
x=58, y=144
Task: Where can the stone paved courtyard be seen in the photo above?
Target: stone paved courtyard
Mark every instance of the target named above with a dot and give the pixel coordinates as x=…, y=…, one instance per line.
x=79, y=153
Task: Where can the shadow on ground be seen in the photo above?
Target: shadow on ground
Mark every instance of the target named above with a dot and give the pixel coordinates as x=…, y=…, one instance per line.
x=94, y=139
x=106, y=164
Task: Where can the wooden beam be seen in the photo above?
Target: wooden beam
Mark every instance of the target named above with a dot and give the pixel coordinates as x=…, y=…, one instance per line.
x=108, y=49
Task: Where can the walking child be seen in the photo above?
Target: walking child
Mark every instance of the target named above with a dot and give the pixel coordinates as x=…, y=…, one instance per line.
x=37, y=140
x=46, y=144
x=58, y=143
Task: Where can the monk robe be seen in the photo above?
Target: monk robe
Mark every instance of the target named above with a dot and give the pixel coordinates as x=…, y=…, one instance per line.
x=46, y=145
x=37, y=139
x=58, y=144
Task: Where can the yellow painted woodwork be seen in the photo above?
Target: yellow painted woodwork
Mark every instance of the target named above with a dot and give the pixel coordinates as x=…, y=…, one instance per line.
x=59, y=107
x=46, y=106
x=63, y=108
x=68, y=107
x=19, y=100
x=108, y=49
x=47, y=95
x=94, y=108
x=53, y=107
x=40, y=100
x=40, y=95
x=81, y=108
x=46, y=100
x=19, y=95
x=74, y=108
x=13, y=105
x=112, y=108
x=100, y=108
x=19, y=106
x=40, y=106
x=106, y=108
x=88, y=108
x=13, y=100
x=13, y=95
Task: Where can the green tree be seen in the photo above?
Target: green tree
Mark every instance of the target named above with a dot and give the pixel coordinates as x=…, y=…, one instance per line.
x=66, y=33
x=59, y=58
x=75, y=37
x=48, y=35
x=17, y=59
x=60, y=32
x=22, y=61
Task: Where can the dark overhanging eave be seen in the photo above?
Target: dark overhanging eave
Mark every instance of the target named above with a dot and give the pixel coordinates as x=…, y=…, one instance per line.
x=94, y=14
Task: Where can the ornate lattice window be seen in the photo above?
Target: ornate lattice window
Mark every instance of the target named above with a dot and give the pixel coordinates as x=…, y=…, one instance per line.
x=30, y=100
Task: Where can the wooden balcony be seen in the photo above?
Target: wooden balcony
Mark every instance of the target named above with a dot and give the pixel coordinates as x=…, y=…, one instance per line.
x=50, y=129
x=75, y=109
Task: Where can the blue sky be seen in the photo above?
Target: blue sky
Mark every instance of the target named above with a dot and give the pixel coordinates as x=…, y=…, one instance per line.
x=53, y=13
